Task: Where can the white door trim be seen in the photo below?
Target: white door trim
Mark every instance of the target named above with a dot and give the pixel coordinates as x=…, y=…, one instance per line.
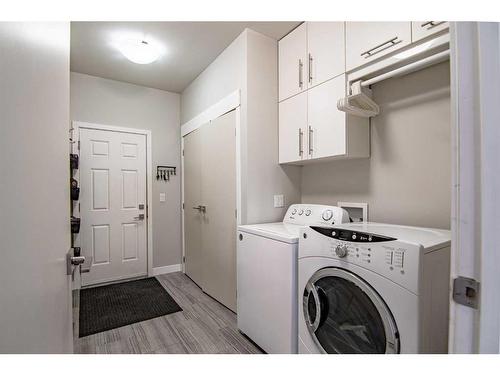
x=229, y=103
x=224, y=105
x=77, y=125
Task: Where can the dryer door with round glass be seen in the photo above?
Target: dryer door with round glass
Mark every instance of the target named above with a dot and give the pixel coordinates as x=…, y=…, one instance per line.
x=344, y=314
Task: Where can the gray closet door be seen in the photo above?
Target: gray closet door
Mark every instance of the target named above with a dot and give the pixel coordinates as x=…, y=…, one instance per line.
x=218, y=191
x=193, y=266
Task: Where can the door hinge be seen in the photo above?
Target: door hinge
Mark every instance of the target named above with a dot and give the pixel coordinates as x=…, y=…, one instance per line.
x=183, y=205
x=182, y=152
x=78, y=145
x=183, y=259
x=466, y=291
x=236, y=214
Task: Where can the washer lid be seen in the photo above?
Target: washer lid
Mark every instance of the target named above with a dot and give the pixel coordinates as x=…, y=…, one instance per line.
x=283, y=232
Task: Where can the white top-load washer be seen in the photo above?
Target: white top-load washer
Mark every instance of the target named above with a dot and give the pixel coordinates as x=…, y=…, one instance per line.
x=267, y=275
x=373, y=288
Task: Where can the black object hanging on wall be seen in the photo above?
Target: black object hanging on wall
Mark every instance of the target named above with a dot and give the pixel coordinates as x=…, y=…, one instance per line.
x=75, y=190
x=73, y=161
x=163, y=172
x=75, y=224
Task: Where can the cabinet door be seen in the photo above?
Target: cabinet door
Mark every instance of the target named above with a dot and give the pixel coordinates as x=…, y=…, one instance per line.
x=423, y=29
x=293, y=63
x=292, y=129
x=368, y=41
x=326, y=51
x=326, y=124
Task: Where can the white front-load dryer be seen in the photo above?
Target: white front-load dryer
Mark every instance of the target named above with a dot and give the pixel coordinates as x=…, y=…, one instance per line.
x=373, y=288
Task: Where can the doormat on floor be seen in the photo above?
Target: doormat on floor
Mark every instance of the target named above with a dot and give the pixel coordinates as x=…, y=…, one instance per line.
x=111, y=306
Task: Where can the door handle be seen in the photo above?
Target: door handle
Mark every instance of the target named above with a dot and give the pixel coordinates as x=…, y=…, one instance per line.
x=201, y=208
x=139, y=218
x=301, y=66
x=301, y=134
x=310, y=140
x=310, y=68
x=381, y=47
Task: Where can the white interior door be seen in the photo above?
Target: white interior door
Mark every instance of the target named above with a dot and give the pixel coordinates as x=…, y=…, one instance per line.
x=113, y=204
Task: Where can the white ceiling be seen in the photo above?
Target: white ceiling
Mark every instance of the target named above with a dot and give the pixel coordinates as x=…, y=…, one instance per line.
x=189, y=47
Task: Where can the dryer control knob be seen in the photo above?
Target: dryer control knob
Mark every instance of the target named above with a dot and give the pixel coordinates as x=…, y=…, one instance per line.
x=327, y=215
x=341, y=251
x=301, y=212
x=294, y=211
x=308, y=212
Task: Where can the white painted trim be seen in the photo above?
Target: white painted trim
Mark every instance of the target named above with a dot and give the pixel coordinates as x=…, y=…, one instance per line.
x=224, y=105
x=149, y=175
x=166, y=269
x=182, y=207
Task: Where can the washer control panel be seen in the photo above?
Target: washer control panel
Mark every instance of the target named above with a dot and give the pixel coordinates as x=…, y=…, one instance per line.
x=387, y=256
x=315, y=214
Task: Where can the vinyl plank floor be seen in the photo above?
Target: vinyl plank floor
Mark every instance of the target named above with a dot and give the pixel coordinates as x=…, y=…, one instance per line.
x=203, y=327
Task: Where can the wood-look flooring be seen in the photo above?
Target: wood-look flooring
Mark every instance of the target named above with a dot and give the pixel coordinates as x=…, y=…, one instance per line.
x=204, y=327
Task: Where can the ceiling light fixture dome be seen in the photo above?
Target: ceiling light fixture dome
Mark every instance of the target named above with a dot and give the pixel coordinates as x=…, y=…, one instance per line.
x=139, y=51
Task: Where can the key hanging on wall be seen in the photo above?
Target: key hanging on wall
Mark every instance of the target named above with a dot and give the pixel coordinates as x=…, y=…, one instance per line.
x=163, y=172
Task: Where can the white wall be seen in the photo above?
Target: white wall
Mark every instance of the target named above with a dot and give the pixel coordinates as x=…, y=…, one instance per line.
x=407, y=179
x=35, y=303
x=109, y=102
x=250, y=65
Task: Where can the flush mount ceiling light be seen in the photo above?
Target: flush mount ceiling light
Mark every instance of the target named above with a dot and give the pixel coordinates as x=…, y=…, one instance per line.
x=139, y=51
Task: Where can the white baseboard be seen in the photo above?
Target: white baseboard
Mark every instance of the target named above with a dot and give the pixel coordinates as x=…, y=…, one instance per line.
x=166, y=269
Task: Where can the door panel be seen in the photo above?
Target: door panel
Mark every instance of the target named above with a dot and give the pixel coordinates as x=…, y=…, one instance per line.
x=218, y=190
x=293, y=63
x=326, y=57
x=113, y=185
x=292, y=129
x=368, y=41
x=420, y=30
x=193, y=266
x=327, y=132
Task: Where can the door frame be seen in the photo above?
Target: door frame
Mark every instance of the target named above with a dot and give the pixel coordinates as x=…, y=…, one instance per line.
x=227, y=104
x=75, y=139
x=475, y=54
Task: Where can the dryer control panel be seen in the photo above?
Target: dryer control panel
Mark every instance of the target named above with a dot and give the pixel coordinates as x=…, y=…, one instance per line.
x=315, y=214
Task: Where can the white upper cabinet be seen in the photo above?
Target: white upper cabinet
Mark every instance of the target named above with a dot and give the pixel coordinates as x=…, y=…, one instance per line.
x=423, y=29
x=292, y=129
x=326, y=124
x=368, y=41
x=326, y=51
x=293, y=63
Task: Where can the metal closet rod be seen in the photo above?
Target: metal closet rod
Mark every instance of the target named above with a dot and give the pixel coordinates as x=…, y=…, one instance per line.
x=428, y=61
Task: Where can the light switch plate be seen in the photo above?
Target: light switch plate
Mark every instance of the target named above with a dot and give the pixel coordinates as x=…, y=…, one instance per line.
x=162, y=197
x=279, y=201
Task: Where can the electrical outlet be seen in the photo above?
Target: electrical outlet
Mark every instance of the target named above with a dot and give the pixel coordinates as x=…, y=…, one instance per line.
x=279, y=201
x=163, y=197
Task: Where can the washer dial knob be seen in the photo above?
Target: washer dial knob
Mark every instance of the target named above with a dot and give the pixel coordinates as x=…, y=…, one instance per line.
x=301, y=212
x=327, y=215
x=294, y=211
x=308, y=212
x=341, y=251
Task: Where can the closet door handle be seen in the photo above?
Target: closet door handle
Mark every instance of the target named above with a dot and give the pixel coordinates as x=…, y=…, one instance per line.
x=310, y=68
x=301, y=135
x=431, y=24
x=301, y=68
x=381, y=47
x=311, y=131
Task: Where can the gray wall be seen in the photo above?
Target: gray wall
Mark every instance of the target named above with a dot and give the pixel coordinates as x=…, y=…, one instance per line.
x=407, y=180
x=109, y=102
x=250, y=65
x=35, y=292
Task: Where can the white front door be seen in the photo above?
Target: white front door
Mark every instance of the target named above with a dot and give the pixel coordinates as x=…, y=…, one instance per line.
x=113, y=204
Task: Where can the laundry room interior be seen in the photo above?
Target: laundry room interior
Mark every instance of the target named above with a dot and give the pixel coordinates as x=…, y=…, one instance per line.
x=249, y=187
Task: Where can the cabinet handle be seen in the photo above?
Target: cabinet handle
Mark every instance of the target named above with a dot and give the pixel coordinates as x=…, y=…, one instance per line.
x=301, y=134
x=373, y=51
x=311, y=131
x=432, y=24
x=310, y=68
x=301, y=65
